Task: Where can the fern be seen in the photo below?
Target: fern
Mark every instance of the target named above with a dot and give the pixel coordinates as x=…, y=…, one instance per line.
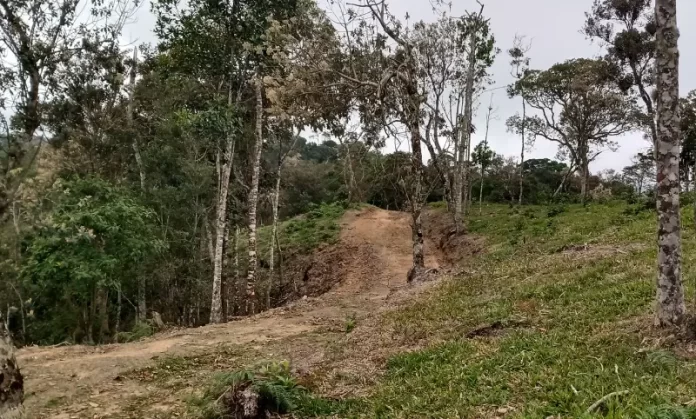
x=273, y=382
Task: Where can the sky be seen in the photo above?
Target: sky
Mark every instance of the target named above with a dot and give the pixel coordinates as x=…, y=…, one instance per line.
x=554, y=27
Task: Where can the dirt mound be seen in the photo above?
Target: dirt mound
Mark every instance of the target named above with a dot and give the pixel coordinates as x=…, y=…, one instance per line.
x=316, y=274
x=454, y=249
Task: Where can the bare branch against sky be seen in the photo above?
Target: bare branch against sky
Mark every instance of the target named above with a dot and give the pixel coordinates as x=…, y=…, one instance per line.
x=556, y=36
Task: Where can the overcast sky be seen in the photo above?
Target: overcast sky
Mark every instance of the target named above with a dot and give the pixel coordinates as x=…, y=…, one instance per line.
x=554, y=28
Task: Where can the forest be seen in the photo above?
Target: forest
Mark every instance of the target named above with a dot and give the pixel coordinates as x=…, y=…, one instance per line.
x=208, y=178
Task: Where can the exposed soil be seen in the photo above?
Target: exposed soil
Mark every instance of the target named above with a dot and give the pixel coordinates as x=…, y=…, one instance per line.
x=368, y=268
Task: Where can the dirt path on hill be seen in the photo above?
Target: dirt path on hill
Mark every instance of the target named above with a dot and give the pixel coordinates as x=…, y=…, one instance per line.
x=89, y=382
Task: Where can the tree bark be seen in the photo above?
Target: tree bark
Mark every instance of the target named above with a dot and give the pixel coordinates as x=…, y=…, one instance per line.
x=416, y=205
x=221, y=220
x=235, y=267
x=119, y=298
x=254, y=199
x=524, y=120
x=142, y=305
x=11, y=380
x=276, y=201
x=224, y=283
x=481, y=192
x=670, y=308
x=103, y=314
x=584, y=180
x=131, y=118
x=570, y=171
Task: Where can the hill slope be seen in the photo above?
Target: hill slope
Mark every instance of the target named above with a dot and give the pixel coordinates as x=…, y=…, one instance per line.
x=371, y=258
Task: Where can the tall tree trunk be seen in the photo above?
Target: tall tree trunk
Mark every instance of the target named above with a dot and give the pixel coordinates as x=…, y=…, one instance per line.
x=224, y=283
x=276, y=201
x=235, y=268
x=524, y=123
x=461, y=180
x=584, y=165
x=142, y=305
x=11, y=380
x=131, y=117
x=216, y=312
x=584, y=180
x=254, y=199
x=416, y=205
x=481, y=192
x=119, y=302
x=103, y=314
x=670, y=291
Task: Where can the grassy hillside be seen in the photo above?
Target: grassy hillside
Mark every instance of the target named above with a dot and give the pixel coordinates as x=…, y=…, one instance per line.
x=566, y=293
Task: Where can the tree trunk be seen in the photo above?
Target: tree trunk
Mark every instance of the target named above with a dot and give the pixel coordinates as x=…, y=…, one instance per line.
x=416, y=206
x=461, y=180
x=119, y=298
x=670, y=291
x=481, y=192
x=142, y=306
x=235, y=268
x=416, y=199
x=570, y=171
x=253, y=200
x=221, y=221
x=224, y=283
x=11, y=380
x=103, y=314
x=276, y=200
x=524, y=121
x=584, y=180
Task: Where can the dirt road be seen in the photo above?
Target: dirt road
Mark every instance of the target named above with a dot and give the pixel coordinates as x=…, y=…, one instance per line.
x=91, y=382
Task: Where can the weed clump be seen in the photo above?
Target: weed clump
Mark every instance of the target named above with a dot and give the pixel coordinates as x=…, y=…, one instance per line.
x=259, y=392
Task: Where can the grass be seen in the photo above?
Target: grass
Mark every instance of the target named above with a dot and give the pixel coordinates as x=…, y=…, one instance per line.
x=575, y=286
x=307, y=232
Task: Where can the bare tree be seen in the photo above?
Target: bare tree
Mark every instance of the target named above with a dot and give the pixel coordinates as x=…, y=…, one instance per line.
x=519, y=61
x=670, y=291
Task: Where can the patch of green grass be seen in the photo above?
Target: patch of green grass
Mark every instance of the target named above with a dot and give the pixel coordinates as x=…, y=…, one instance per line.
x=304, y=233
x=574, y=324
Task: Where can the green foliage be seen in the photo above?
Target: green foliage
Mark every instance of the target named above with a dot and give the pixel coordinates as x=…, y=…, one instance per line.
x=96, y=237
